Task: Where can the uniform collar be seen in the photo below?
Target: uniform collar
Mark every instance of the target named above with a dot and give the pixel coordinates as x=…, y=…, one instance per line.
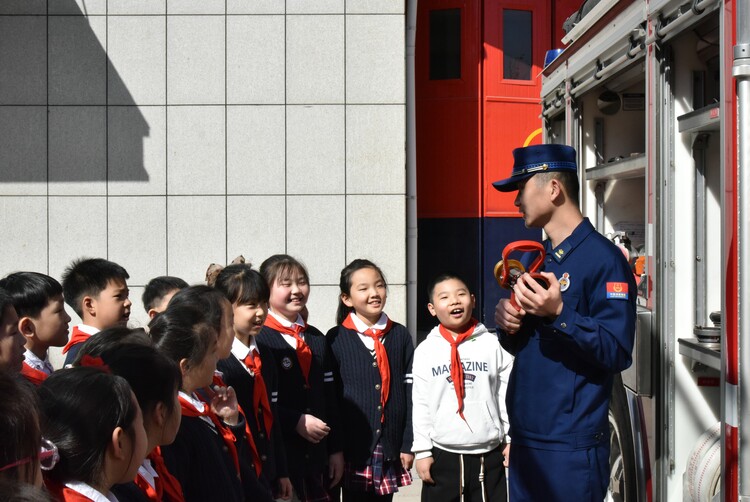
x=562, y=251
x=240, y=350
x=362, y=326
x=285, y=322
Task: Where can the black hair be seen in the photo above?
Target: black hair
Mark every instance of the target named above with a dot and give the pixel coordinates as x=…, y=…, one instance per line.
x=80, y=409
x=89, y=277
x=241, y=284
x=345, y=284
x=20, y=491
x=19, y=423
x=444, y=276
x=158, y=287
x=5, y=301
x=205, y=299
x=277, y=265
x=182, y=332
x=568, y=179
x=129, y=353
x=30, y=291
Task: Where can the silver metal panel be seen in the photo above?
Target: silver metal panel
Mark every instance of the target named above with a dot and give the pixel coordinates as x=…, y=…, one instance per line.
x=707, y=118
x=705, y=353
x=631, y=167
x=639, y=376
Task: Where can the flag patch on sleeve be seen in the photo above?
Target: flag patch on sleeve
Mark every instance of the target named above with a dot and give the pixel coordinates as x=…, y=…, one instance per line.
x=617, y=291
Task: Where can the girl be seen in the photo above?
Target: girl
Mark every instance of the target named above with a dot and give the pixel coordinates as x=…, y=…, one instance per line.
x=21, y=436
x=370, y=351
x=252, y=373
x=307, y=397
x=155, y=381
x=94, y=420
x=203, y=456
x=218, y=313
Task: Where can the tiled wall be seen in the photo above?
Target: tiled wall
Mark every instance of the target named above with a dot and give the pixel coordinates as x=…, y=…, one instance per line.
x=167, y=135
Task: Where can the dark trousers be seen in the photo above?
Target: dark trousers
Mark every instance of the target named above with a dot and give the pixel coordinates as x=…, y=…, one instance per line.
x=483, y=477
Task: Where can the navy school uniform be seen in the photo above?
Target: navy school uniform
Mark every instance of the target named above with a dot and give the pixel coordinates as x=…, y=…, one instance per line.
x=201, y=462
x=295, y=398
x=270, y=444
x=358, y=384
x=129, y=492
x=559, y=389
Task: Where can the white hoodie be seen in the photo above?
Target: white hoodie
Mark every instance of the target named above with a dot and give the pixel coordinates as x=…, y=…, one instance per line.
x=434, y=413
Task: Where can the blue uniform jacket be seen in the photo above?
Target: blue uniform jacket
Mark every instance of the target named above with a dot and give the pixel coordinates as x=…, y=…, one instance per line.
x=559, y=389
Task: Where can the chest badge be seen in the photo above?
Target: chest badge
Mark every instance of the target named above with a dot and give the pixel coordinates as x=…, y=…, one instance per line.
x=286, y=363
x=564, y=281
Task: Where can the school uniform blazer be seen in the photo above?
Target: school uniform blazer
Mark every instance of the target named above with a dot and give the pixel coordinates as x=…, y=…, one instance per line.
x=200, y=461
x=270, y=446
x=129, y=492
x=559, y=389
x=296, y=399
x=358, y=384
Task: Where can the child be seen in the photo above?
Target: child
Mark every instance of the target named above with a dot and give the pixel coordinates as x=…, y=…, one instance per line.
x=94, y=420
x=21, y=436
x=96, y=289
x=159, y=291
x=307, y=394
x=43, y=322
x=155, y=381
x=376, y=463
x=459, y=416
x=252, y=373
x=204, y=455
x=11, y=340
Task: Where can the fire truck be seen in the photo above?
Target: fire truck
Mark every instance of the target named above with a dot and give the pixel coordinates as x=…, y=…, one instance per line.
x=653, y=94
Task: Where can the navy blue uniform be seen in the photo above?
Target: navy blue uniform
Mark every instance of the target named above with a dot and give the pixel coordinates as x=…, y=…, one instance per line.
x=559, y=389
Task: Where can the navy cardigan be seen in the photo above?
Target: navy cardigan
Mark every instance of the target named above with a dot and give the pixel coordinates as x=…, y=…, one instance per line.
x=358, y=381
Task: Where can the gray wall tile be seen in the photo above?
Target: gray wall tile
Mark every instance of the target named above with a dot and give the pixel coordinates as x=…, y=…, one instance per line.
x=315, y=235
x=196, y=235
x=23, y=150
x=255, y=7
x=137, y=73
x=137, y=7
x=195, y=59
x=256, y=150
x=23, y=7
x=23, y=58
x=255, y=227
x=322, y=305
x=315, y=6
x=25, y=228
x=193, y=7
x=78, y=7
x=77, y=228
x=195, y=159
x=375, y=7
x=315, y=59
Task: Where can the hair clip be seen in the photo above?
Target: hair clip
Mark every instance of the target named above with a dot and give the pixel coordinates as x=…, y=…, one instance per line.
x=94, y=362
x=215, y=269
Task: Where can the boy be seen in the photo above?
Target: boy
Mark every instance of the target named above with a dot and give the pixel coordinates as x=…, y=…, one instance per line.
x=159, y=291
x=42, y=319
x=11, y=340
x=569, y=339
x=97, y=291
x=459, y=417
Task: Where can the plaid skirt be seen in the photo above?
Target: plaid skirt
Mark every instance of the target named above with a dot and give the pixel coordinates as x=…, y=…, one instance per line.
x=378, y=476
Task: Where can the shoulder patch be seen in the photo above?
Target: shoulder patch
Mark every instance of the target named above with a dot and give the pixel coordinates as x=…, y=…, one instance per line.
x=617, y=291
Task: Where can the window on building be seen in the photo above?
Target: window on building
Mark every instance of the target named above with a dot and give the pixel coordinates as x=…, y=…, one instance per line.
x=445, y=44
x=517, y=38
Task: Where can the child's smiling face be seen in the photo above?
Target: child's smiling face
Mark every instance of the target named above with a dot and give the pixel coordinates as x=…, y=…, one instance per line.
x=452, y=303
x=289, y=294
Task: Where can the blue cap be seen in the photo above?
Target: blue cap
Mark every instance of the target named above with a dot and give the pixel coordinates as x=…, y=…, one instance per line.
x=530, y=160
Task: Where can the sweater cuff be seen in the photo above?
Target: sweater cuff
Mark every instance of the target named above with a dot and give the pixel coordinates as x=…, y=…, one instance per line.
x=419, y=455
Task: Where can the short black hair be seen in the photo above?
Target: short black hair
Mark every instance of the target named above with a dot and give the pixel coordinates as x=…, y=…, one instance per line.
x=207, y=300
x=241, y=284
x=19, y=421
x=443, y=276
x=89, y=277
x=130, y=354
x=5, y=301
x=568, y=179
x=182, y=332
x=30, y=291
x=80, y=409
x=158, y=287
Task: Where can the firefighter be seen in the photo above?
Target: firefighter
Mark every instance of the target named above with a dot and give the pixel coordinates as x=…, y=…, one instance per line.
x=569, y=339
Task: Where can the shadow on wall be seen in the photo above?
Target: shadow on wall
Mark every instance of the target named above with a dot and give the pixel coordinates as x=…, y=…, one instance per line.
x=65, y=113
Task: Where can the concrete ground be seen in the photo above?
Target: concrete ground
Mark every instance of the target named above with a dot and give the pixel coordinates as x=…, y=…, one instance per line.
x=411, y=492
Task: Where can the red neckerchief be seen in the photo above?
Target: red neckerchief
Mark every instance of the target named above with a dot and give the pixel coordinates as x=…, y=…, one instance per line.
x=164, y=482
x=76, y=336
x=381, y=357
x=33, y=375
x=304, y=354
x=258, y=463
x=188, y=410
x=260, y=393
x=457, y=370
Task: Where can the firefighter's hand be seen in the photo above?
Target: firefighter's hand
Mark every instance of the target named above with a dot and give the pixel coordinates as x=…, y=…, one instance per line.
x=535, y=299
x=507, y=317
x=423, y=469
x=506, y=455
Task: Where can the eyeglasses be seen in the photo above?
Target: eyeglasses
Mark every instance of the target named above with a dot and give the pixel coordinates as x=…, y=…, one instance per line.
x=49, y=456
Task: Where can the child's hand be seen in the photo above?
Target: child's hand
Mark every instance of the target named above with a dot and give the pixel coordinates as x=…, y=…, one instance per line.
x=335, y=468
x=407, y=459
x=423, y=470
x=506, y=455
x=285, y=489
x=224, y=404
x=312, y=428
